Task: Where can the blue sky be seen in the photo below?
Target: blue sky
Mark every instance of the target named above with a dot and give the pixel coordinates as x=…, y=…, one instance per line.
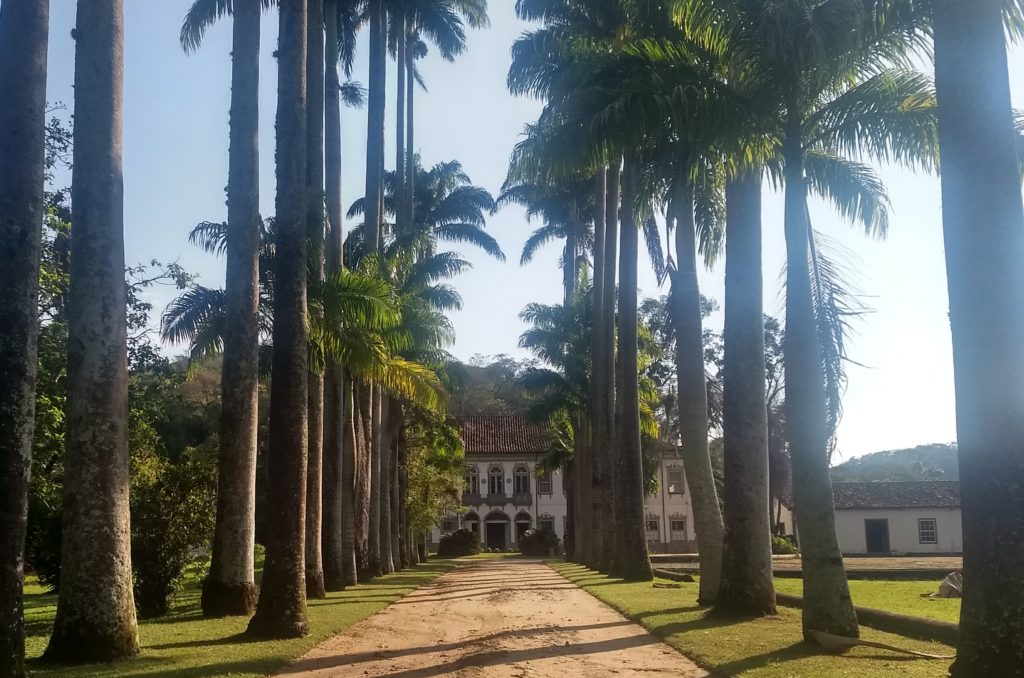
x=175, y=168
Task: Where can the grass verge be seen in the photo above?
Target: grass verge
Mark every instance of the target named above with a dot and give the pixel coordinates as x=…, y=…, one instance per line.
x=185, y=645
x=901, y=597
x=769, y=647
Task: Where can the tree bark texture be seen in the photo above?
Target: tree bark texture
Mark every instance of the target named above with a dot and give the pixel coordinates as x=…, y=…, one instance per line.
x=746, y=587
x=827, y=604
x=375, y=123
x=692, y=400
x=386, y=457
x=95, y=607
x=598, y=418
x=983, y=226
x=230, y=588
x=376, y=568
x=315, y=213
x=24, y=36
x=607, y=447
x=635, y=562
x=281, y=610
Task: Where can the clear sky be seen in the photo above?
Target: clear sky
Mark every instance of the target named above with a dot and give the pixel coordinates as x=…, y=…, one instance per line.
x=175, y=170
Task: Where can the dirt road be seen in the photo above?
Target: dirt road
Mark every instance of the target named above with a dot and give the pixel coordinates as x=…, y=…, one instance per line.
x=496, y=618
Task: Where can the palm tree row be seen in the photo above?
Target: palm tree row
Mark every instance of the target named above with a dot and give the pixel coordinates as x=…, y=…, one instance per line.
x=335, y=335
x=693, y=103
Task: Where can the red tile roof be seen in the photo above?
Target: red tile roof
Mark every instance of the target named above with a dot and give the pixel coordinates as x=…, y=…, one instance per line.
x=897, y=494
x=503, y=435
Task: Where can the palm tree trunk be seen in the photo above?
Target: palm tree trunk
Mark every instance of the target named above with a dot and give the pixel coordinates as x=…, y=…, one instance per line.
x=24, y=35
x=387, y=561
x=396, y=514
x=606, y=447
x=364, y=475
x=635, y=563
x=375, y=431
x=693, y=399
x=281, y=610
x=400, y=157
x=230, y=588
x=827, y=604
x=983, y=222
x=375, y=122
x=95, y=607
x=597, y=380
x=349, y=532
x=410, y=128
x=569, y=534
x=334, y=553
x=746, y=586
x=406, y=553
x=314, y=192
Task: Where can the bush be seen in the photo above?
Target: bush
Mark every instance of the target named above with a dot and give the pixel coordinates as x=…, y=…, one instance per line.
x=461, y=542
x=539, y=542
x=172, y=519
x=784, y=546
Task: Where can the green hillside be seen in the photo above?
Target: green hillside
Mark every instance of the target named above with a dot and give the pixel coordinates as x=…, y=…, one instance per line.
x=924, y=462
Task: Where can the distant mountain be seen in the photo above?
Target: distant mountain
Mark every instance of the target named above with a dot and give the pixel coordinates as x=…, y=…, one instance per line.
x=924, y=462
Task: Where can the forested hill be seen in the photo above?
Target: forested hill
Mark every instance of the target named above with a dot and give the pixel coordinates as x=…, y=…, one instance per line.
x=924, y=462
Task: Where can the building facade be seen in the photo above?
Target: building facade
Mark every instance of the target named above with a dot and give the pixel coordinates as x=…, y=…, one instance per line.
x=898, y=517
x=504, y=496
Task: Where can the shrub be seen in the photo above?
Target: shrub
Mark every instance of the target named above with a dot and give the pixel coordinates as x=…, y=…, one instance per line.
x=539, y=542
x=172, y=518
x=784, y=546
x=461, y=542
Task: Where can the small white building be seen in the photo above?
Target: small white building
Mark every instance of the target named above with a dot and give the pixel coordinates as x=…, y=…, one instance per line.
x=898, y=517
x=505, y=497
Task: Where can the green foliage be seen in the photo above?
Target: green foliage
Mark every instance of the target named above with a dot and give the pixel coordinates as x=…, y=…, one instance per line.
x=924, y=462
x=172, y=513
x=461, y=542
x=435, y=465
x=783, y=546
x=539, y=542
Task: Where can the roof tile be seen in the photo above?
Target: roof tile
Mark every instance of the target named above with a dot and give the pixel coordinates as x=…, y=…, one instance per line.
x=503, y=435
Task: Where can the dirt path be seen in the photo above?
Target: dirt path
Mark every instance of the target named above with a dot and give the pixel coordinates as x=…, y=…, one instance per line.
x=497, y=618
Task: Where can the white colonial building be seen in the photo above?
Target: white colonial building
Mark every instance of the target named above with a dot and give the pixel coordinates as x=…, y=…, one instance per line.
x=504, y=497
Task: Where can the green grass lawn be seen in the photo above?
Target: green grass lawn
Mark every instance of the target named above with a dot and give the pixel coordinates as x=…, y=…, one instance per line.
x=184, y=644
x=902, y=597
x=762, y=648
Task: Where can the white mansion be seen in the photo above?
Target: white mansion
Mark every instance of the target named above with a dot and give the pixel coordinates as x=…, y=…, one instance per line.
x=505, y=498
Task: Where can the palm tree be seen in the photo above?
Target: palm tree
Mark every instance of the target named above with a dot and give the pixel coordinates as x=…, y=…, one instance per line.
x=340, y=19
x=230, y=588
x=95, y=607
x=281, y=610
x=315, y=215
x=983, y=225
x=24, y=34
x=633, y=559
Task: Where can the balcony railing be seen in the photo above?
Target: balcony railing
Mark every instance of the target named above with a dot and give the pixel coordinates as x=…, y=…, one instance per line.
x=497, y=499
x=522, y=499
x=472, y=499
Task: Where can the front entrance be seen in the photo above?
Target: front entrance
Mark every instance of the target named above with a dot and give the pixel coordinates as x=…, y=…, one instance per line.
x=496, y=536
x=876, y=535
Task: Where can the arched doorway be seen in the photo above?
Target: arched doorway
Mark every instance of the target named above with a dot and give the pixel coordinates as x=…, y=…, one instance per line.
x=523, y=523
x=496, y=530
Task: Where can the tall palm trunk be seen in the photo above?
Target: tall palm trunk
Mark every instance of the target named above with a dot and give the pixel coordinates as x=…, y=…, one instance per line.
x=746, y=587
x=375, y=430
x=387, y=561
x=597, y=380
x=606, y=448
x=827, y=604
x=24, y=34
x=400, y=129
x=363, y=405
x=281, y=611
x=634, y=560
x=230, y=588
x=983, y=222
x=95, y=607
x=315, y=210
x=569, y=535
x=410, y=128
x=375, y=122
x=350, y=563
x=692, y=399
x=334, y=489
x=396, y=473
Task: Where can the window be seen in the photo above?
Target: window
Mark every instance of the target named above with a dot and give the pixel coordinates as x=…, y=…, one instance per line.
x=544, y=484
x=653, y=533
x=676, y=483
x=448, y=526
x=927, y=531
x=521, y=480
x=496, y=480
x=546, y=522
x=472, y=479
x=471, y=522
x=677, y=528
